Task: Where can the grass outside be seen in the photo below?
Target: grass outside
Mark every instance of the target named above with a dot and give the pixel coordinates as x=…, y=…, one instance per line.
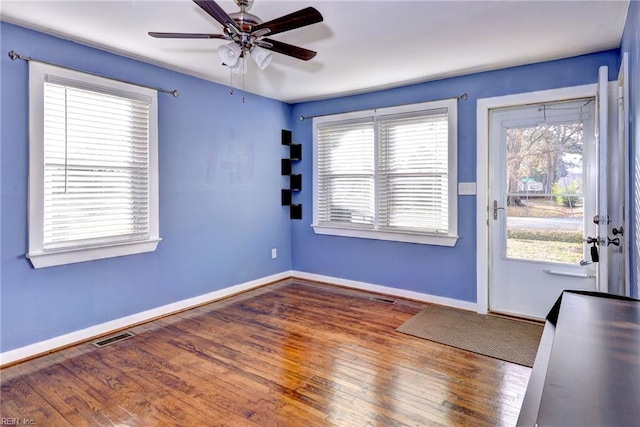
x=546, y=245
x=565, y=236
x=546, y=251
x=545, y=208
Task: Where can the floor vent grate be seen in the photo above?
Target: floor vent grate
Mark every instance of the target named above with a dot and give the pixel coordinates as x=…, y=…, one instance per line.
x=114, y=339
x=384, y=300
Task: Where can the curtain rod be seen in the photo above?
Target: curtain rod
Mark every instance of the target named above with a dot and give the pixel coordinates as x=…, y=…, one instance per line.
x=463, y=96
x=15, y=55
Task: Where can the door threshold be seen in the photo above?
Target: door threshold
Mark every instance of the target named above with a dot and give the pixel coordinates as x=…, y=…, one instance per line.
x=520, y=317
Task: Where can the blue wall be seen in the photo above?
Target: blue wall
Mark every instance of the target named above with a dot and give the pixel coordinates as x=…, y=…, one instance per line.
x=220, y=211
x=220, y=192
x=447, y=272
x=631, y=44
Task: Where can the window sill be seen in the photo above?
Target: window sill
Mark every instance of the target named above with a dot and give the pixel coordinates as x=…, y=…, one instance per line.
x=423, y=239
x=69, y=256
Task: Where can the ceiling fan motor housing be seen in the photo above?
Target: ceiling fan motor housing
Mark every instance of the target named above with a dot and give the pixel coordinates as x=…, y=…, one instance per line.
x=245, y=21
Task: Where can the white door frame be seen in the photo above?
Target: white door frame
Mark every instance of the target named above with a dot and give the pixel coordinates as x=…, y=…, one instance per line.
x=623, y=132
x=602, y=181
x=484, y=105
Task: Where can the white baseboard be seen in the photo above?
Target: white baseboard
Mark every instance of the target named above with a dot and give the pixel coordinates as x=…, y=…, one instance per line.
x=53, y=344
x=450, y=302
x=47, y=346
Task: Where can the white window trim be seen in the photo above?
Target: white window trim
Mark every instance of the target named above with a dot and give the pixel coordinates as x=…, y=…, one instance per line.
x=448, y=239
x=37, y=255
x=483, y=109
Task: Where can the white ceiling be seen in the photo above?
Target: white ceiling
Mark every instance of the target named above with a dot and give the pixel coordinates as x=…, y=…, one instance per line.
x=362, y=44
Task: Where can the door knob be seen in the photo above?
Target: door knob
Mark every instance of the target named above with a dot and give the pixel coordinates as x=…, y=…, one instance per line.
x=495, y=209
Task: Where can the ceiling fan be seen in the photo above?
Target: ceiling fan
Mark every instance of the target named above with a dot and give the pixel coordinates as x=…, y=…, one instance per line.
x=247, y=34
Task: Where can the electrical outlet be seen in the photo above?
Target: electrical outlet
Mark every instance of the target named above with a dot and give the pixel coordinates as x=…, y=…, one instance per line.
x=274, y=253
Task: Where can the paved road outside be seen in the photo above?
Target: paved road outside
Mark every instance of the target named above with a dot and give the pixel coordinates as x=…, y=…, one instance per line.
x=568, y=224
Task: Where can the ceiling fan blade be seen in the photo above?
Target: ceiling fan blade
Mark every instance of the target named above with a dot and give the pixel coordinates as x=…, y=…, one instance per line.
x=187, y=36
x=301, y=18
x=218, y=13
x=287, y=49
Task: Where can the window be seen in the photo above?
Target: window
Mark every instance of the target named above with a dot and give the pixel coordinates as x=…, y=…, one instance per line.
x=388, y=174
x=93, y=185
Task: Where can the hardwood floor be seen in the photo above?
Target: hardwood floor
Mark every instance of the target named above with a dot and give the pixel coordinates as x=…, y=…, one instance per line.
x=289, y=354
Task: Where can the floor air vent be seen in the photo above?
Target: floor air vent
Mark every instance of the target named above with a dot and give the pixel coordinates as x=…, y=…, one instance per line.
x=384, y=300
x=114, y=339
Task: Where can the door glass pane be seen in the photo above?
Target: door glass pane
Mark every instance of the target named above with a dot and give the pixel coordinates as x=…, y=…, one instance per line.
x=545, y=200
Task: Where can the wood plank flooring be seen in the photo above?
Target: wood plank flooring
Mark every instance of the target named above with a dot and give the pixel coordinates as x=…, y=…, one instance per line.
x=289, y=354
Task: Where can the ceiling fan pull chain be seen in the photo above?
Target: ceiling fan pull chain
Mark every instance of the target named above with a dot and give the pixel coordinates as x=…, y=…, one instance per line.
x=244, y=59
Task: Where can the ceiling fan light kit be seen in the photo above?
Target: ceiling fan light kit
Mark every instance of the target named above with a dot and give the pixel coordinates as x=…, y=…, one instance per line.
x=229, y=54
x=247, y=34
x=240, y=67
x=262, y=57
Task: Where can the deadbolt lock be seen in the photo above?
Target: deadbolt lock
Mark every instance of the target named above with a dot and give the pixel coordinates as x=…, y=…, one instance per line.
x=604, y=218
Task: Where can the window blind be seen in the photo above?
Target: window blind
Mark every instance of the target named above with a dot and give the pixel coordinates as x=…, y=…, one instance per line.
x=346, y=174
x=388, y=173
x=413, y=172
x=96, y=161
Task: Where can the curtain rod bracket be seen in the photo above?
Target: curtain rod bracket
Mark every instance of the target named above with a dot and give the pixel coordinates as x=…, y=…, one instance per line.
x=15, y=56
x=463, y=96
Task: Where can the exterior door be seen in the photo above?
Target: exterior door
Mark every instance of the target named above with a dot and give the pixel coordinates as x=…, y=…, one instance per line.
x=612, y=191
x=619, y=274
x=542, y=200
